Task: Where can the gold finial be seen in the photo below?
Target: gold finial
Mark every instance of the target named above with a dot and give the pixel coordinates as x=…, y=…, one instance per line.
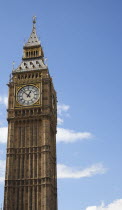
x=34, y=19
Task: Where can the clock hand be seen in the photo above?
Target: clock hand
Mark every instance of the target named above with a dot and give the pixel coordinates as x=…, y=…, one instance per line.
x=28, y=95
x=25, y=92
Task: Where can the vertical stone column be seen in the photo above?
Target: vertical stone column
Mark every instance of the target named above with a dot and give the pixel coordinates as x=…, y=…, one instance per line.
x=9, y=166
x=45, y=166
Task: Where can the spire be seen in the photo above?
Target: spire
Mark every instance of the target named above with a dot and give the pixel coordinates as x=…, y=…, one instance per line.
x=33, y=55
x=33, y=41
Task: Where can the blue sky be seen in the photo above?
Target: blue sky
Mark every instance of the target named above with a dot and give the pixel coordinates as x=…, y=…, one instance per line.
x=82, y=40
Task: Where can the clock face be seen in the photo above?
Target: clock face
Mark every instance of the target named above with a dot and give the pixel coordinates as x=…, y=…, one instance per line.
x=28, y=95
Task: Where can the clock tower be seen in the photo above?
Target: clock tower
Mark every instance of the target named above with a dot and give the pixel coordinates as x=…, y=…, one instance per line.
x=31, y=175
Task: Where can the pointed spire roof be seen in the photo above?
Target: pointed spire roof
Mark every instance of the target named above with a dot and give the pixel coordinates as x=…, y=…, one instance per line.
x=33, y=41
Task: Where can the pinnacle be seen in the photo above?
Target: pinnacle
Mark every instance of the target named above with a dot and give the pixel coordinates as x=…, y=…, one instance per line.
x=33, y=41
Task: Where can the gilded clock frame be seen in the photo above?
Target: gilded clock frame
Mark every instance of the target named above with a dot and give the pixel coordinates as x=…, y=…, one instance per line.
x=17, y=89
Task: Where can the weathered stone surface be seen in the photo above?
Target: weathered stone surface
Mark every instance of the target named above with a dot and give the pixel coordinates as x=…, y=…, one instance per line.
x=31, y=179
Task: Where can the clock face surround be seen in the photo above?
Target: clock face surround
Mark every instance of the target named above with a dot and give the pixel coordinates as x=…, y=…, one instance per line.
x=28, y=95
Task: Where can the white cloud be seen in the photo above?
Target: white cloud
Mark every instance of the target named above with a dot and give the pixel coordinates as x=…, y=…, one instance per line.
x=115, y=205
x=4, y=100
x=60, y=121
x=2, y=170
x=64, y=171
x=62, y=108
x=69, y=136
x=3, y=134
x=63, y=135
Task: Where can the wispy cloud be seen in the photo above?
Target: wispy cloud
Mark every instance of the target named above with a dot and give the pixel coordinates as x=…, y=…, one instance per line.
x=62, y=108
x=60, y=121
x=62, y=111
x=69, y=136
x=3, y=134
x=4, y=100
x=2, y=170
x=64, y=171
x=115, y=205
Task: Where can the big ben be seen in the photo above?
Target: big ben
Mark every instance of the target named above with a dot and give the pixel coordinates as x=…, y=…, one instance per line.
x=31, y=175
